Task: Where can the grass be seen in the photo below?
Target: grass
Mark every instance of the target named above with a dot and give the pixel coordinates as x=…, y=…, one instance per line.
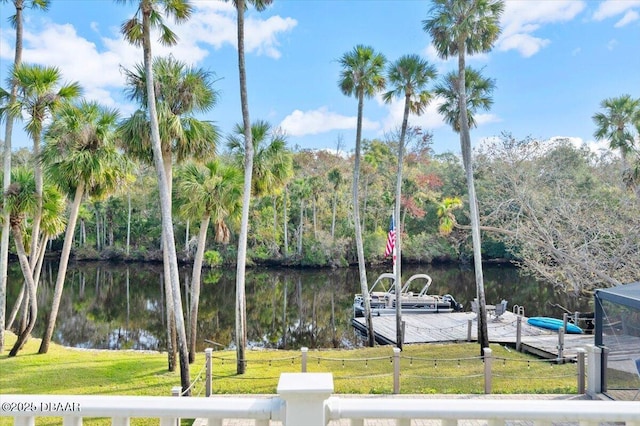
x=426, y=368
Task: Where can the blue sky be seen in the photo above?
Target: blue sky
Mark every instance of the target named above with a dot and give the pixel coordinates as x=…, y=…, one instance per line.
x=555, y=61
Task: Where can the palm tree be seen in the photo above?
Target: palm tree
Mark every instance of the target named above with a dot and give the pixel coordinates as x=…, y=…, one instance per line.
x=620, y=125
x=447, y=219
x=361, y=76
x=182, y=91
x=21, y=200
x=212, y=191
x=80, y=155
x=457, y=28
x=54, y=205
x=272, y=161
x=137, y=31
x=39, y=94
x=17, y=22
x=241, y=309
x=478, y=90
x=408, y=76
x=336, y=179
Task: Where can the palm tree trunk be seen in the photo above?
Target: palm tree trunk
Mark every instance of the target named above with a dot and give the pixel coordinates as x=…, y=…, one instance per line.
x=364, y=288
x=16, y=306
x=333, y=212
x=165, y=206
x=301, y=227
x=62, y=269
x=31, y=287
x=186, y=237
x=37, y=217
x=128, y=224
x=285, y=225
x=6, y=227
x=275, y=220
x=465, y=144
x=195, y=286
x=315, y=218
x=396, y=214
x=241, y=313
x=172, y=338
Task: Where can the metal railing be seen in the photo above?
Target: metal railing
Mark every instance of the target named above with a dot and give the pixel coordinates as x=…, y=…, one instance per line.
x=306, y=399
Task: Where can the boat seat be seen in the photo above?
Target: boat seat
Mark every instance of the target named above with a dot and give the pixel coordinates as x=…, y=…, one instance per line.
x=501, y=308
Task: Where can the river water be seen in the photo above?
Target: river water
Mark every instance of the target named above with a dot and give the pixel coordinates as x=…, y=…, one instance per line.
x=110, y=305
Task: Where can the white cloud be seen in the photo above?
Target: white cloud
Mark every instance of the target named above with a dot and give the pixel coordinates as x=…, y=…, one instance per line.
x=482, y=119
x=215, y=25
x=6, y=46
x=610, y=8
x=597, y=147
x=429, y=120
x=612, y=44
x=526, y=44
x=521, y=19
x=77, y=59
x=321, y=120
x=628, y=17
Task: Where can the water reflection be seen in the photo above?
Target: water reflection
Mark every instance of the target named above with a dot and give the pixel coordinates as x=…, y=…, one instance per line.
x=121, y=306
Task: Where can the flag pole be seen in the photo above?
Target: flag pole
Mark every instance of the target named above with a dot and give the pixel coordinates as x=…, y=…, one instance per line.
x=394, y=252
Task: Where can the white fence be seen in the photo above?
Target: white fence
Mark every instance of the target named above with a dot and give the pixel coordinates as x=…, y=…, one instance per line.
x=306, y=399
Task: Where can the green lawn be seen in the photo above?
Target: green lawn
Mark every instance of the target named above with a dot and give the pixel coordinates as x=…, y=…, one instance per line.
x=426, y=368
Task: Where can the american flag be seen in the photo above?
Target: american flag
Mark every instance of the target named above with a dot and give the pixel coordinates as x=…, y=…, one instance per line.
x=391, y=238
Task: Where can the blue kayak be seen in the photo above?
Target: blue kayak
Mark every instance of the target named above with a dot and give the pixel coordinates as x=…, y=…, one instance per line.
x=554, y=324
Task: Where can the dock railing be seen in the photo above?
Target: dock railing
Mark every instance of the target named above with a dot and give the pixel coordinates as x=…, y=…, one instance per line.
x=307, y=399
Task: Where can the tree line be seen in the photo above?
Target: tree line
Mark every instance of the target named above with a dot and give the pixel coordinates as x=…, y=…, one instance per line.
x=153, y=184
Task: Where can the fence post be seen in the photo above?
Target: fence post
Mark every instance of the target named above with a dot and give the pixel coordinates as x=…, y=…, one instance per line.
x=581, y=369
x=172, y=421
x=469, y=327
x=208, y=355
x=594, y=386
x=305, y=396
x=561, y=344
x=304, y=358
x=487, y=369
x=519, y=333
x=396, y=370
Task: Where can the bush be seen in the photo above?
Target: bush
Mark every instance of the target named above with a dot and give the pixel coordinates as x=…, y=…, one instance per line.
x=325, y=251
x=424, y=248
x=213, y=258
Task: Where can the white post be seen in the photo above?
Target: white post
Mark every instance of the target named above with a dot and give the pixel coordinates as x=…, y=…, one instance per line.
x=487, y=370
x=581, y=369
x=594, y=355
x=469, y=327
x=304, y=358
x=169, y=421
x=519, y=333
x=72, y=421
x=305, y=396
x=396, y=370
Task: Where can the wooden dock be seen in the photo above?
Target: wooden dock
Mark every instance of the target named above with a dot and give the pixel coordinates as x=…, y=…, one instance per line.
x=463, y=327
